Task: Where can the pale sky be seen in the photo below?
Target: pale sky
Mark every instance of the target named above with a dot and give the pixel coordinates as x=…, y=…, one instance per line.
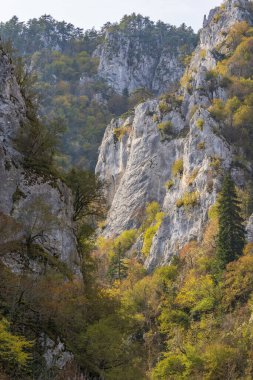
x=88, y=13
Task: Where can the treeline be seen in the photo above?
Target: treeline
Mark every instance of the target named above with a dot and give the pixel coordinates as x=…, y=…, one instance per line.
x=191, y=319
x=61, y=57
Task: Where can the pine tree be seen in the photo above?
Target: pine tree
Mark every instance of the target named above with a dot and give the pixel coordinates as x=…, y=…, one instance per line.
x=118, y=267
x=231, y=235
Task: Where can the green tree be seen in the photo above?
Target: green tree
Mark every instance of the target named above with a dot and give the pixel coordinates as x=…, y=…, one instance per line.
x=88, y=195
x=13, y=348
x=118, y=265
x=231, y=234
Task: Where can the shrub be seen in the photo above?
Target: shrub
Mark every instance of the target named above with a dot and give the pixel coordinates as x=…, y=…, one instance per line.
x=120, y=132
x=13, y=347
x=200, y=124
x=148, y=239
x=177, y=167
x=164, y=107
x=169, y=184
x=211, y=74
x=154, y=218
x=193, y=110
x=155, y=118
x=202, y=53
x=215, y=163
x=165, y=126
x=213, y=212
x=238, y=281
x=186, y=80
x=201, y=145
x=217, y=18
x=192, y=177
x=217, y=109
x=188, y=200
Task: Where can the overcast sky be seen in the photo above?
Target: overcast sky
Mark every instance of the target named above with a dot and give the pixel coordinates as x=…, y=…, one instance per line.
x=88, y=13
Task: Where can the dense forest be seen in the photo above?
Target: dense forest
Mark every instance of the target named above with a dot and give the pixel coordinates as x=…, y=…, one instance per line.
x=61, y=58
x=188, y=319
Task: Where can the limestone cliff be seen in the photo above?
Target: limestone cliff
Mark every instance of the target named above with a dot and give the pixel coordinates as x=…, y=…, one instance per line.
x=140, y=54
x=137, y=155
x=42, y=207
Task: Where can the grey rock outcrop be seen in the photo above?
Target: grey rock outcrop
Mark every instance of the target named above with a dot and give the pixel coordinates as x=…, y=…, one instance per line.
x=250, y=230
x=137, y=56
x=41, y=206
x=137, y=165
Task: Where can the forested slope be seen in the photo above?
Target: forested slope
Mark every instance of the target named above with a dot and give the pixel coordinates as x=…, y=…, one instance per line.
x=145, y=272
x=70, y=68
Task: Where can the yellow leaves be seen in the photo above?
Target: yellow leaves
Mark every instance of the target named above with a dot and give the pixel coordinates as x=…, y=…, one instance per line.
x=164, y=107
x=200, y=124
x=192, y=176
x=217, y=109
x=188, y=200
x=197, y=293
x=248, y=249
x=119, y=133
x=13, y=348
x=186, y=79
x=236, y=33
x=165, y=126
x=177, y=167
x=124, y=241
x=243, y=116
x=152, y=209
x=169, y=184
x=238, y=281
x=221, y=359
x=150, y=233
x=213, y=212
x=202, y=53
x=148, y=239
x=240, y=63
x=143, y=300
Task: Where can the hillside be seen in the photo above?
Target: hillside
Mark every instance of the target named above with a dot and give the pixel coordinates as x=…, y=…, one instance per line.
x=86, y=78
x=144, y=271
x=174, y=150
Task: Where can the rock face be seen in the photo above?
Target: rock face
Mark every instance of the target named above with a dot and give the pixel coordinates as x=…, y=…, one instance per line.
x=42, y=207
x=137, y=155
x=139, y=54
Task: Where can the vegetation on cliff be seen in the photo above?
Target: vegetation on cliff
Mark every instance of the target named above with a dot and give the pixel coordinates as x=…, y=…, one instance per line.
x=62, y=58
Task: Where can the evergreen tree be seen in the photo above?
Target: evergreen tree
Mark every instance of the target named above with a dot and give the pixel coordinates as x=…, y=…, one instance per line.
x=231, y=235
x=118, y=267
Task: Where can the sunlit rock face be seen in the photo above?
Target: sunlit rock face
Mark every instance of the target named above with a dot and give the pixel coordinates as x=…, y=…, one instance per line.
x=136, y=56
x=137, y=156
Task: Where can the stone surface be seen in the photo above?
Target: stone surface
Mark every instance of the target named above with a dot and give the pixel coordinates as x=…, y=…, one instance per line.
x=137, y=166
x=133, y=58
x=21, y=190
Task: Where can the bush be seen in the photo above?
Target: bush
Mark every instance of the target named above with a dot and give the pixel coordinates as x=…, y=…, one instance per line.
x=13, y=348
x=164, y=107
x=200, y=124
x=215, y=163
x=165, y=127
x=120, y=132
x=154, y=218
x=177, y=167
x=186, y=79
x=217, y=110
x=202, y=53
x=169, y=184
x=192, y=176
x=201, y=145
x=193, y=110
x=188, y=200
